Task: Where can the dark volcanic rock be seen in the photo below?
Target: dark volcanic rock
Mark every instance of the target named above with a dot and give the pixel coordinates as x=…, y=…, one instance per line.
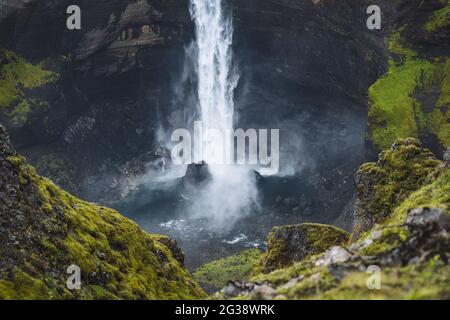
x=5, y=146
x=197, y=173
x=115, y=82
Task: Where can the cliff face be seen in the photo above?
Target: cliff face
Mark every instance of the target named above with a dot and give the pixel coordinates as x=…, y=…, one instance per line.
x=123, y=77
x=44, y=230
x=111, y=90
x=412, y=98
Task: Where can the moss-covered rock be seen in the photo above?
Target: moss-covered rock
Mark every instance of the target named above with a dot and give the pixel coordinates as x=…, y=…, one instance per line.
x=216, y=274
x=17, y=77
x=44, y=230
x=412, y=99
x=289, y=244
x=410, y=246
x=380, y=186
x=57, y=169
x=440, y=19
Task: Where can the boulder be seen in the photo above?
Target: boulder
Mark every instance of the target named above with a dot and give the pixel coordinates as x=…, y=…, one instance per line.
x=294, y=243
x=380, y=186
x=197, y=173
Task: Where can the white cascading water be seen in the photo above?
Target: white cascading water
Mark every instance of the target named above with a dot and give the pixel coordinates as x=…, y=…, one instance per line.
x=216, y=81
x=232, y=193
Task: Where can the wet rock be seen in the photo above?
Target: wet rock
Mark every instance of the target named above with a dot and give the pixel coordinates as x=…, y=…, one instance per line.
x=256, y=176
x=308, y=211
x=197, y=173
x=79, y=130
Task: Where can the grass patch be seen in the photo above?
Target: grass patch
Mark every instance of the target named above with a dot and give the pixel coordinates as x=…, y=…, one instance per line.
x=218, y=273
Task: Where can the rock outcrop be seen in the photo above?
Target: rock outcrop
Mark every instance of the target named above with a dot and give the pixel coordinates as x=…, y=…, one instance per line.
x=382, y=185
x=44, y=231
x=290, y=244
x=406, y=255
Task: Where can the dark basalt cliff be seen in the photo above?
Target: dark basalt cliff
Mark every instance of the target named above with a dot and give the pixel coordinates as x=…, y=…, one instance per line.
x=113, y=89
x=122, y=81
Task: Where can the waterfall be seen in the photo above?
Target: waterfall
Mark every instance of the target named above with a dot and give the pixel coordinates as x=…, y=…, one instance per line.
x=216, y=78
x=232, y=193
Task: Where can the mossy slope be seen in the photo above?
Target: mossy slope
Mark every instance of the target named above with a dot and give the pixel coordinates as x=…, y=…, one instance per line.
x=413, y=258
x=216, y=274
x=412, y=99
x=45, y=230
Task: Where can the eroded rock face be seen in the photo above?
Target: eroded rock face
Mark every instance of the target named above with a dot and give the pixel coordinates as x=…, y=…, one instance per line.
x=290, y=244
x=381, y=185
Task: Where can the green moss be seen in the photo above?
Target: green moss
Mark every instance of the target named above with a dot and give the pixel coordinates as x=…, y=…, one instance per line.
x=407, y=177
x=23, y=286
x=440, y=19
x=398, y=48
x=55, y=168
x=434, y=195
x=217, y=274
x=393, y=111
x=439, y=120
x=389, y=238
x=400, y=171
x=289, y=244
x=429, y=281
x=17, y=75
x=118, y=260
x=20, y=112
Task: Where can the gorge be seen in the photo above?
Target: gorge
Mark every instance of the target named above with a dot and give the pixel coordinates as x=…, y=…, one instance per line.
x=94, y=110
